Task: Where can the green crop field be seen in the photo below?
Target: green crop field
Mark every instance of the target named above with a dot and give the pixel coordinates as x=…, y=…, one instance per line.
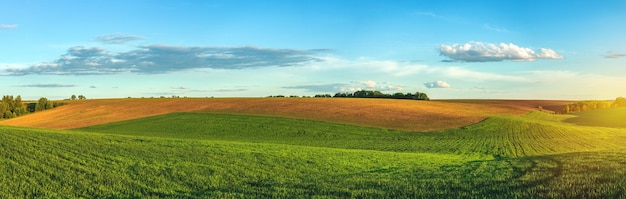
x=202, y=155
x=534, y=134
x=613, y=117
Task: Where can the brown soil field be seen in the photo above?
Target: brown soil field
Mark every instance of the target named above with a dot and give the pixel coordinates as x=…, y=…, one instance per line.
x=413, y=115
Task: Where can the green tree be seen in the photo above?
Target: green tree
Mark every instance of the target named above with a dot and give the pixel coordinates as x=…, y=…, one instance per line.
x=8, y=100
x=42, y=103
x=4, y=108
x=73, y=97
x=82, y=97
x=423, y=96
x=49, y=105
x=8, y=115
x=20, y=107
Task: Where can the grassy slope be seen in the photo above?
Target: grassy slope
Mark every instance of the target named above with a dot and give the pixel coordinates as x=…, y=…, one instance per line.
x=534, y=134
x=613, y=117
x=536, y=156
x=410, y=115
x=58, y=164
x=216, y=155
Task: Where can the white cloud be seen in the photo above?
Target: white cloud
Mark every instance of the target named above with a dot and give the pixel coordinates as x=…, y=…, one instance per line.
x=488, y=52
x=369, y=83
x=437, y=84
x=8, y=26
x=157, y=59
x=14, y=65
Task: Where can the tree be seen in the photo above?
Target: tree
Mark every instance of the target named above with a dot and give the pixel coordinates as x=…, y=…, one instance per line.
x=82, y=97
x=49, y=105
x=423, y=96
x=18, y=100
x=73, y=97
x=43, y=104
x=323, y=95
x=20, y=107
x=4, y=108
x=8, y=115
x=8, y=100
x=619, y=102
x=566, y=109
x=398, y=95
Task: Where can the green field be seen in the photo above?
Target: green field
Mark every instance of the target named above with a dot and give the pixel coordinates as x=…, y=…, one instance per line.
x=200, y=155
x=613, y=117
x=534, y=134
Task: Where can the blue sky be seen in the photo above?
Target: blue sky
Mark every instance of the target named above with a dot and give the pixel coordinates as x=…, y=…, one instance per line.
x=448, y=49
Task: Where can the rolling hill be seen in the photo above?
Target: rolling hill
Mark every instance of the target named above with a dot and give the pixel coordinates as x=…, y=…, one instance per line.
x=536, y=133
x=412, y=115
x=209, y=155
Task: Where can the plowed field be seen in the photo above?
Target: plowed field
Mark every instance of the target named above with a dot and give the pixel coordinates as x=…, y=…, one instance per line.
x=412, y=115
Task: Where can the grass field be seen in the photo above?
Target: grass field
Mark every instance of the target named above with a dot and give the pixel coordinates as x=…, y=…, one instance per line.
x=507, y=136
x=412, y=115
x=50, y=164
x=217, y=155
x=614, y=117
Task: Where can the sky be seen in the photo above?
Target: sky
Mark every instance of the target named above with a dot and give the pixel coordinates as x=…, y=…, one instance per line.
x=573, y=50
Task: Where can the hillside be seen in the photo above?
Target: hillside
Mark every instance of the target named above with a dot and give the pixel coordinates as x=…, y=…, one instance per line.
x=536, y=133
x=36, y=163
x=612, y=117
x=207, y=155
x=412, y=115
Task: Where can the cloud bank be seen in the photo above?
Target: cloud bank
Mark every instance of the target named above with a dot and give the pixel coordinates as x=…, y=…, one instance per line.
x=8, y=26
x=488, y=52
x=437, y=84
x=118, y=38
x=156, y=59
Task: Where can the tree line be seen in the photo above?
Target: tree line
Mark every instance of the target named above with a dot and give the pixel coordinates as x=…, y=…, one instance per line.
x=593, y=105
x=378, y=94
x=365, y=94
x=11, y=107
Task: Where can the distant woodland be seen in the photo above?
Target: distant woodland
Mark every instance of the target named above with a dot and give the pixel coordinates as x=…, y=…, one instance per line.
x=11, y=107
x=593, y=105
x=368, y=94
x=378, y=94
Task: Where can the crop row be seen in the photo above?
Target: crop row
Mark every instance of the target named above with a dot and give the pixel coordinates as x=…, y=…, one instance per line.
x=51, y=164
x=535, y=134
